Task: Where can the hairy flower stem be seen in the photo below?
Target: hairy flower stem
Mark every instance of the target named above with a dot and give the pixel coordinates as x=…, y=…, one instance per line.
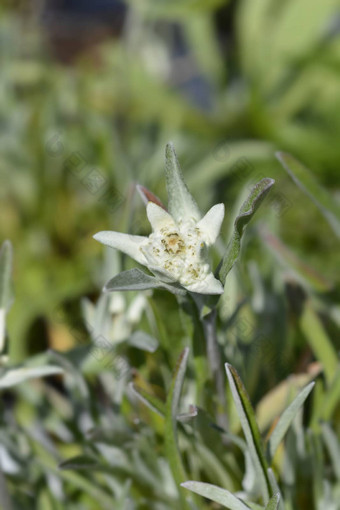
x=214, y=358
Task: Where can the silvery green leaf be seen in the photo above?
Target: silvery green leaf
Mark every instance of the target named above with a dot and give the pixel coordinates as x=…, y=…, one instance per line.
x=79, y=462
x=152, y=402
x=171, y=412
x=8, y=463
x=286, y=419
x=333, y=446
x=186, y=417
x=135, y=279
x=273, y=503
x=73, y=376
x=255, y=506
x=275, y=489
x=181, y=204
x=246, y=213
x=5, y=499
x=143, y=341
x=248, y=422
x=6, y=291
x=3, y=359
x=14, y=376
x=305, y=180
x=156, y=405
x=124, y=502
x=216, y=494
x=249, y=482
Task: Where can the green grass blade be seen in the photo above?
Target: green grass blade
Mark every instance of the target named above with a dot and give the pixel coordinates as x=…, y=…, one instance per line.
x=216, y=494
x=246, y=213
x=319, y=342
x=246, y=414
x=286, y=420
x=284, y=255
x=333, y=398
x=305, y=180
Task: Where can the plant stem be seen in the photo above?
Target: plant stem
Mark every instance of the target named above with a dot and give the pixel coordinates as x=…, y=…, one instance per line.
x=214, y=358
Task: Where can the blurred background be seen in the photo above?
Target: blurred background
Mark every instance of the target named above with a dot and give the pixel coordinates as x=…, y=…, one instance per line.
x=92, y=91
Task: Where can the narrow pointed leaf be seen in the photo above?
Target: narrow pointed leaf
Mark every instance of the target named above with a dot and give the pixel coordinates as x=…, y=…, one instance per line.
x=286, y=420
x=185, y=417
x=216, y=494
x=181, y=204
x=70, y=367
x=246, y=213
x=246, y=414
x=156, y=405
x=305, y=180
x=171, y=412
x=6, y=291
x=274, y=502
x=5, y=499
x=333, y=446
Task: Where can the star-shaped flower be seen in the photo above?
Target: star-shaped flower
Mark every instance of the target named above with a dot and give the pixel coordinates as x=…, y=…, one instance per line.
x=176, y=251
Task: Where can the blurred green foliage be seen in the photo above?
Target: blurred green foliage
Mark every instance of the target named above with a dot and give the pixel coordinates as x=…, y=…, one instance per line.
x=247, y=79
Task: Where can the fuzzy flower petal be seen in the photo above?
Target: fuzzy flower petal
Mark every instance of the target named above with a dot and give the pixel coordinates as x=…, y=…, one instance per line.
x=209, y=285
x=210, y=224
x=158, y=217
x=126, y=243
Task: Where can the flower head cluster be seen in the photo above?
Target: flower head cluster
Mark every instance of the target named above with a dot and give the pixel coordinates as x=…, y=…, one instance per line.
x=176, y=251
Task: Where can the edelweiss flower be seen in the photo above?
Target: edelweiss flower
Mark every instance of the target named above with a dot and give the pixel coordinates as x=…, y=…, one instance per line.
x=176, y=251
